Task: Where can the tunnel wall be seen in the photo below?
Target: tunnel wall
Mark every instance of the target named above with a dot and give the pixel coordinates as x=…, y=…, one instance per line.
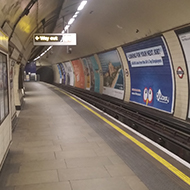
x=167, y=80
x=46, y=74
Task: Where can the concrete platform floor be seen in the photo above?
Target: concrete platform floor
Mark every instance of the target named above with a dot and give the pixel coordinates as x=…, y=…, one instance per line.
x=54, y=148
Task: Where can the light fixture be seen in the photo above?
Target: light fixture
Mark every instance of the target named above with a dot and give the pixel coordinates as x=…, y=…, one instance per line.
x=67, y=27
x=71, y=21
x=43, y=53
x=81, y=6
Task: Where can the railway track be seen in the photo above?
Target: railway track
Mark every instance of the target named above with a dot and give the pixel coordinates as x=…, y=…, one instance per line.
x=171, y=134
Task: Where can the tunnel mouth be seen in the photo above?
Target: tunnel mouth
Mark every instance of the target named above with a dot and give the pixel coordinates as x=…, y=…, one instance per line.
x=46, y=74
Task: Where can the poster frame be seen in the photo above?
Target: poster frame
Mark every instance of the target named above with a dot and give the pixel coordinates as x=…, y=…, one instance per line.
x=172, y=74
x=7, y=77
x=178, y=32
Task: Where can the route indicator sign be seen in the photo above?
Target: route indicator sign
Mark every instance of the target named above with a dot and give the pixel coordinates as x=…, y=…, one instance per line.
x=54, y=39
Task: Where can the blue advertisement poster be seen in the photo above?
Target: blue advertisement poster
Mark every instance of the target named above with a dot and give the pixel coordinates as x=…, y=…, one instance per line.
x=112, y=74
x=63, y=73
x=94, y=73
x=151, y=74
x=60, y=74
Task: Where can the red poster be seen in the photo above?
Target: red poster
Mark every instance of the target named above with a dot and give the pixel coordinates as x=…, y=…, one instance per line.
x=79, y=74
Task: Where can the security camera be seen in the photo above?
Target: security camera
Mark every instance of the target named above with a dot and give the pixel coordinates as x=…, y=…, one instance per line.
x=69, y=50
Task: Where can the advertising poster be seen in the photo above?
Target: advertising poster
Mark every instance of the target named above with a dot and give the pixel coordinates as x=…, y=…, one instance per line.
x=151, y=74
x=185, y=42
x=11, y=74
x=63, y=73
x=112, y=74
x=4, y=105
x=94, y=73
x=5, y=85
x=69, y=73
x=2, y=112
x=87, y=72
x=60, y=74
x=79, y=74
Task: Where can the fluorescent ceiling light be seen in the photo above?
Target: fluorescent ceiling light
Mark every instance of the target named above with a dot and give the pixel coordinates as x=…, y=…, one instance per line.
x=67, y=27
x=49, y=48
x=81, y=6
x=71, y=21
x=42, y=53
x=36, y=58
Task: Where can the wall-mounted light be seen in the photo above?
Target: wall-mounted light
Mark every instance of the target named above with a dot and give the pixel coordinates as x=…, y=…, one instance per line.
x=71, y=21
x=81, y=6
x=67, y=27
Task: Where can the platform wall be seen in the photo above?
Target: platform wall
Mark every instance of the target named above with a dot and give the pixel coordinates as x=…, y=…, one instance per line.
x=112, y=73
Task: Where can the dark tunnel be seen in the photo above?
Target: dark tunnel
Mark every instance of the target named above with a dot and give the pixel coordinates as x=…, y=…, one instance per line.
x=46, y=74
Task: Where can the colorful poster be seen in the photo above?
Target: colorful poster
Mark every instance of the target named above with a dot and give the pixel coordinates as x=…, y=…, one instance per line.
x=63, y=73
x=5, y=86
x=70, y=78
x=11, y=74
x=185, y=42
x=94, y=73
x=87, y=73
x=112, y=74
x=2, y=111
x=4, y=104
x=60, y=73
x=79, y=74
x=151, y=74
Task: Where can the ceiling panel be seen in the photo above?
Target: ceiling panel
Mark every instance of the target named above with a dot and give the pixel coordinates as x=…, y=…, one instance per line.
x=101, y=25
x=105, y=24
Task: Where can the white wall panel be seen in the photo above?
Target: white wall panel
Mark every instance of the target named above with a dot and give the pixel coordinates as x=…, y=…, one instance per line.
x=181, y=96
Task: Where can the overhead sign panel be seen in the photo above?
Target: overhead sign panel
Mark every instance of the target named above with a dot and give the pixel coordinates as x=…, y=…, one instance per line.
x=52, y=39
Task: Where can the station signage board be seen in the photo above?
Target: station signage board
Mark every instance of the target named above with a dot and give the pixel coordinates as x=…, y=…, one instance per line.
x=54, y=39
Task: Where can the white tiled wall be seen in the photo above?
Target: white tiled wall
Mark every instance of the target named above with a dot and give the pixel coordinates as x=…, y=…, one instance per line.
x=56, y=74
x=5, y=137
x=181, y=88
x=127, y=78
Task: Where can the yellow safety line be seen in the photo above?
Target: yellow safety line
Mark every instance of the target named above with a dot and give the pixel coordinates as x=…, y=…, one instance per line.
x=177, y=172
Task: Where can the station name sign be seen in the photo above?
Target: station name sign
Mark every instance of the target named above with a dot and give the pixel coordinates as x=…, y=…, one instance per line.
x=52, y=39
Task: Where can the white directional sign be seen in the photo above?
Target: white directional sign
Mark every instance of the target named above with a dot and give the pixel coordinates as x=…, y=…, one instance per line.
x=51, y=39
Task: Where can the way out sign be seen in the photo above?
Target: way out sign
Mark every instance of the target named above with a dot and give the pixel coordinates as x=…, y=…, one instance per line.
x=52, y=39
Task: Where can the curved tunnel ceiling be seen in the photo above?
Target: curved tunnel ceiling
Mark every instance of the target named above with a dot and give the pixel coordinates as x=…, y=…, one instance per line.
x=101, y=25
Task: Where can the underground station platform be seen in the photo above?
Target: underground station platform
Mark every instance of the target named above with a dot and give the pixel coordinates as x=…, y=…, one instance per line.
x=63, y=143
